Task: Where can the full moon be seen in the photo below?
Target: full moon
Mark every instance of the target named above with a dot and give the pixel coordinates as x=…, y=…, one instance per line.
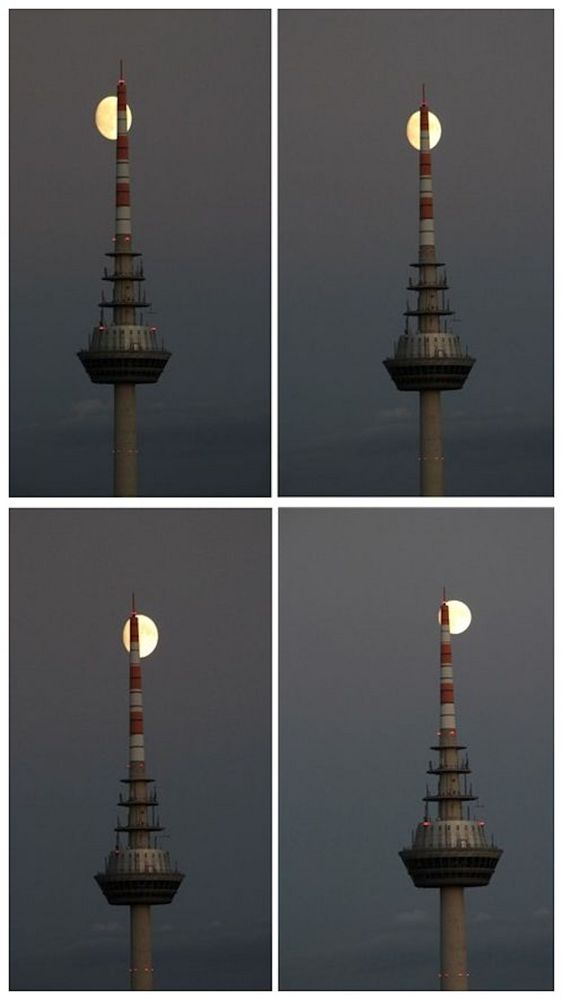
x=148, y=635
x=413, y=129
x=105, y=117
x=460, y=617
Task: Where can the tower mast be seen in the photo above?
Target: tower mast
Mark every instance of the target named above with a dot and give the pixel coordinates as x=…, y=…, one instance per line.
x=450, y=852
x=430, y=358
x=125, y=352
x=138, y=874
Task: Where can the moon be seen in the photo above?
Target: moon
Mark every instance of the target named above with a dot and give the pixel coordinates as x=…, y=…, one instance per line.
x=413, y=129
x=460, y=617
x=148, y=635
x=105, y=117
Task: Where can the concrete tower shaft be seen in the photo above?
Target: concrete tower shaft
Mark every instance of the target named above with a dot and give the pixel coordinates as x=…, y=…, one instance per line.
x=125, y=351
x=450, y=851
x=428, y=358
x=138, y=826
x=138, y=874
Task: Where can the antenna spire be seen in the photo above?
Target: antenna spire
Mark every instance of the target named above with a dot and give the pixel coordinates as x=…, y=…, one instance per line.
x=424, y=93
x=121, y=70
x=133, y=603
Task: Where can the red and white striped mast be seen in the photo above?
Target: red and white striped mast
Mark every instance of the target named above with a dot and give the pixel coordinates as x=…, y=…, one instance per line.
x=122, y=176
x=426, y=241
x=448, y=729
x=136, y=721
x=141, y=969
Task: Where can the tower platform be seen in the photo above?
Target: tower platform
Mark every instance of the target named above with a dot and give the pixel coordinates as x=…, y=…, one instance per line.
x=126, y=353
x=433, y=361
x=129, y=889
x=467, y=867
x=124, y=366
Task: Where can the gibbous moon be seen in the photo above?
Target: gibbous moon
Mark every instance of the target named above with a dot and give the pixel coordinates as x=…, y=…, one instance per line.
x=148, y=635
x=105, y=117
x=413, y=130
x=460, y=617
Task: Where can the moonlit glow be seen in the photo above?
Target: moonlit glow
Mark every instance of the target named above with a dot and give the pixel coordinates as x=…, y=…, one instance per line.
x=105, y=117
x=413, y=129
x=148, y=635
x=460, y=617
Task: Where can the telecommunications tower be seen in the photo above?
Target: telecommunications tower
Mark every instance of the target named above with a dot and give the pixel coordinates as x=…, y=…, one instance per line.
x=451, y=851
x=429, y=358
x=138, y=873
x=124, y=352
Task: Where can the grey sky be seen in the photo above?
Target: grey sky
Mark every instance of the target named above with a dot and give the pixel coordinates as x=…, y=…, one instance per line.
x=349, y=228
x=199, y=86
x=204, y=576
x=359, y=673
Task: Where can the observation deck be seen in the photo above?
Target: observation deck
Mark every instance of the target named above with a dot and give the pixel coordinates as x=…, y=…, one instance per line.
x=430, y=356
x=450, y=852
x=429, y=361
x=466, y=867
x=140, y=871
x=124, y=353
x=142, y=875
x=453, y=848
x=124, y=350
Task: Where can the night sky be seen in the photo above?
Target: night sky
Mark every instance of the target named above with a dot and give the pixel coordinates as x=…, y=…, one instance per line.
x=204, y=576
x=199, y=87
x=348, y=190
x=359, y=708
